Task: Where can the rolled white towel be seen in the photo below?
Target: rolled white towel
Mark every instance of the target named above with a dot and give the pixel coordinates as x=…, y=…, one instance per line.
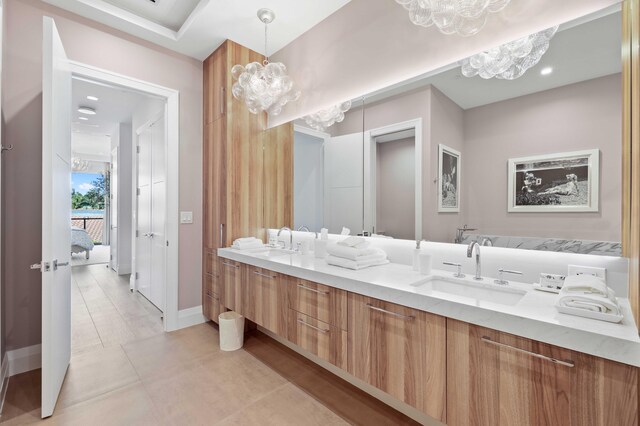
x=590, y=301
x=246, y=240
x=356, y=265
x=353, y=253
x=247, y=243
x=585, y=284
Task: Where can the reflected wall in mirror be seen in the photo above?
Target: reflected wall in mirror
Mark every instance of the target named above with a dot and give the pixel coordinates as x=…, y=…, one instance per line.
x=570, y=101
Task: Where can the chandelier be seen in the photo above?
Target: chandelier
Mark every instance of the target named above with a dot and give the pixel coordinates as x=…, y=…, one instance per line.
x=79, y=165
x=327, y=117
x=266, y=86
x=462, y=17
x=511, y=60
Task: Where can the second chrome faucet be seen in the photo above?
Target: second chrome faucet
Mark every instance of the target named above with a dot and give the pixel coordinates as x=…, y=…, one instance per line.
x=474, y=245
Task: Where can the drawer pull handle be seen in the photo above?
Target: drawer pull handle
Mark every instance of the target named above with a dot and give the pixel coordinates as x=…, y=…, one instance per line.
x=384, y=311
x=321, y=330
x=271, y=277
x=231, y=265
x=304, y=287
x=213, y=296
x=566, y=363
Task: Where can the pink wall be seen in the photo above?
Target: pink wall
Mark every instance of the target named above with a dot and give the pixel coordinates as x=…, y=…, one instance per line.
x=369, y=45
x=580, y=116
x=94, y=44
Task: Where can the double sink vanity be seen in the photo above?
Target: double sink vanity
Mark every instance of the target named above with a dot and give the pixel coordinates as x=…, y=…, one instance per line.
x=459, y=350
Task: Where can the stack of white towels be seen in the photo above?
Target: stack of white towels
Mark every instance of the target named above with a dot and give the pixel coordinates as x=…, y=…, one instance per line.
x=247, y=243
x=586, y=293
x=355, y=253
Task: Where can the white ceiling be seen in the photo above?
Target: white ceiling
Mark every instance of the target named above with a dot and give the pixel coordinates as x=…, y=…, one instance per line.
x=580, y=51
x=91, y=139
x=196, y=28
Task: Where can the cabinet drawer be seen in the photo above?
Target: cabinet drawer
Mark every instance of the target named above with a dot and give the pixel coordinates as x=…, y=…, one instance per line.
x=324, y=340
x=264, y=299
x=211, y=284
x=211, y=297
x=318, y=301
x=231, y=284
x=399, y=350
x=210, y=261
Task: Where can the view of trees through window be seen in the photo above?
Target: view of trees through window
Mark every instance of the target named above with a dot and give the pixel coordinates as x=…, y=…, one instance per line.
x=89, y=191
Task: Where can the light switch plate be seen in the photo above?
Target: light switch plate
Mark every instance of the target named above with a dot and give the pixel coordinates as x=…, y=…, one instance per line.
x=186, y=217
x=588, y=270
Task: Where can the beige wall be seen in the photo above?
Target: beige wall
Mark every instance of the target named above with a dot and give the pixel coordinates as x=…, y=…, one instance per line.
x=97, y=45
x=580, y=116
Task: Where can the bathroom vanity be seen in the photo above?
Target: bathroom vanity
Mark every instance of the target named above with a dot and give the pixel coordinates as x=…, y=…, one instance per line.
x=439, y=352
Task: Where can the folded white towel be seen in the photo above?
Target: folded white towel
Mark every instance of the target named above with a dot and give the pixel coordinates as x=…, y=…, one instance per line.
x=585, y=284
x=353, y=253
x=353, y=242
x=248, y=243
x=246, y=240
x=590, y=301
x=356, y=265
x=381, y=236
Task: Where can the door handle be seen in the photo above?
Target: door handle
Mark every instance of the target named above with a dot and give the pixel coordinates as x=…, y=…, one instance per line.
x=57, y=264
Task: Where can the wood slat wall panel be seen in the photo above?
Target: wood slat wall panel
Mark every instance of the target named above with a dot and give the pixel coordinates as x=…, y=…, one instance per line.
x=278, y=177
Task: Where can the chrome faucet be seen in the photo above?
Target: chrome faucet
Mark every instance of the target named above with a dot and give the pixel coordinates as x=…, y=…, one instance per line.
x=487, y=242
x=284, y=228
x=304, y=228
x=476, y=246
x=418, y=242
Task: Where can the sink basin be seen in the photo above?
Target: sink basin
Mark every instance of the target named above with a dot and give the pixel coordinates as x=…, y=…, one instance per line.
x=473, y=292
x=272, y=252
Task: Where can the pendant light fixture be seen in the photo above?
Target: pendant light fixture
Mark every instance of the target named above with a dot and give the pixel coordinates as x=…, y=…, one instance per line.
x=266, y=86
x=462, y=17
x=511, y=60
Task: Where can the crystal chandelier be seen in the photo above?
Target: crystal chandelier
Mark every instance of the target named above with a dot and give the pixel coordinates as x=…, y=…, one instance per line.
x=511, y=60
x=327, y=117
x=462, y=17
x=266, y=86
x=79, y=165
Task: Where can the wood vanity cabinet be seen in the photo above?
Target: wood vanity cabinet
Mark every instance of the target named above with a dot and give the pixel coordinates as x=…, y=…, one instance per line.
x=324, y=303
x=211, y=306
x=320, y=338
x=264, y=299
x=231, y=284
x=247, y=168
x=496, y=379
x=399, y=350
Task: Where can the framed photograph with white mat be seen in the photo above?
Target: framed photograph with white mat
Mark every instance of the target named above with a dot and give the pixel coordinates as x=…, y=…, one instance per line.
x=553, y=183
x=448, y=179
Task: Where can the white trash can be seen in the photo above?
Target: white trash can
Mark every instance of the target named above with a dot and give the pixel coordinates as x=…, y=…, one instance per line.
x=231, y=331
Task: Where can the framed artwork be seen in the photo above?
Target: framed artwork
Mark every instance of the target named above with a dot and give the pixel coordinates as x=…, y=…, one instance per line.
x=562, y=182
x=448, y=179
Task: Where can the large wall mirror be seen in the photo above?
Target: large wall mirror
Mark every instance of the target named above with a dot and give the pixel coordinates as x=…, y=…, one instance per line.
x=526, y=156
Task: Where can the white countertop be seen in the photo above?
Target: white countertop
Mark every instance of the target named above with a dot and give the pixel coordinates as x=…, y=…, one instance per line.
x=533, y=317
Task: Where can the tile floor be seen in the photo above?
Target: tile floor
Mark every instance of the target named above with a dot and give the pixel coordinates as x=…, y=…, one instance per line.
x=122, y=374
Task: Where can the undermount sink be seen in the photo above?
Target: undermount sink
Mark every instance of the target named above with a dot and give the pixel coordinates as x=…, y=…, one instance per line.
x=272, y=252
x=474, y=291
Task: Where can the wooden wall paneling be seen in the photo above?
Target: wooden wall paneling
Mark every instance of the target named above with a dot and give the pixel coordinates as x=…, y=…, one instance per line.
x=320, y=338
x=490, y=384
x=402, y=352
x=244, y=157
x=278, y=177
x=264, y=299
x=324, y=303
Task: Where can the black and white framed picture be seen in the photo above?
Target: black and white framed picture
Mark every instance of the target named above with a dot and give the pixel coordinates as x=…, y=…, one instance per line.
x=448, y=179
x=562, y=182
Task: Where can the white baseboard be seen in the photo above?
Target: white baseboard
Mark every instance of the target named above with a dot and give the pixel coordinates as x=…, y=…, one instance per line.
x=4, y=380
x=24, y=359
x=191, y=316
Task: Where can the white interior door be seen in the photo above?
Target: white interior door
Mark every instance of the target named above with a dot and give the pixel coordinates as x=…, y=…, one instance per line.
x=56, y=216
x=143, y=237
x=158, y=206
x=113, y=210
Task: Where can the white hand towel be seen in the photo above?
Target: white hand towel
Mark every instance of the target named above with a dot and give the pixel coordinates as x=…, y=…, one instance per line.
x=353, y=242
x=355, y=265
x=247, y=245
x=352, y=253
x=585, y=284
x=590, y=301
x=246, y=240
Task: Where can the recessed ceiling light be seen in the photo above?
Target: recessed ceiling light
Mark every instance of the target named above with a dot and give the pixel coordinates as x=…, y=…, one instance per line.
x=86, y=110
x=83, y=118
x=546, y=71
x=92, y=98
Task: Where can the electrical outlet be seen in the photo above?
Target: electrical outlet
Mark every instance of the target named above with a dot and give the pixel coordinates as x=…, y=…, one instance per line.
x=588, y=270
